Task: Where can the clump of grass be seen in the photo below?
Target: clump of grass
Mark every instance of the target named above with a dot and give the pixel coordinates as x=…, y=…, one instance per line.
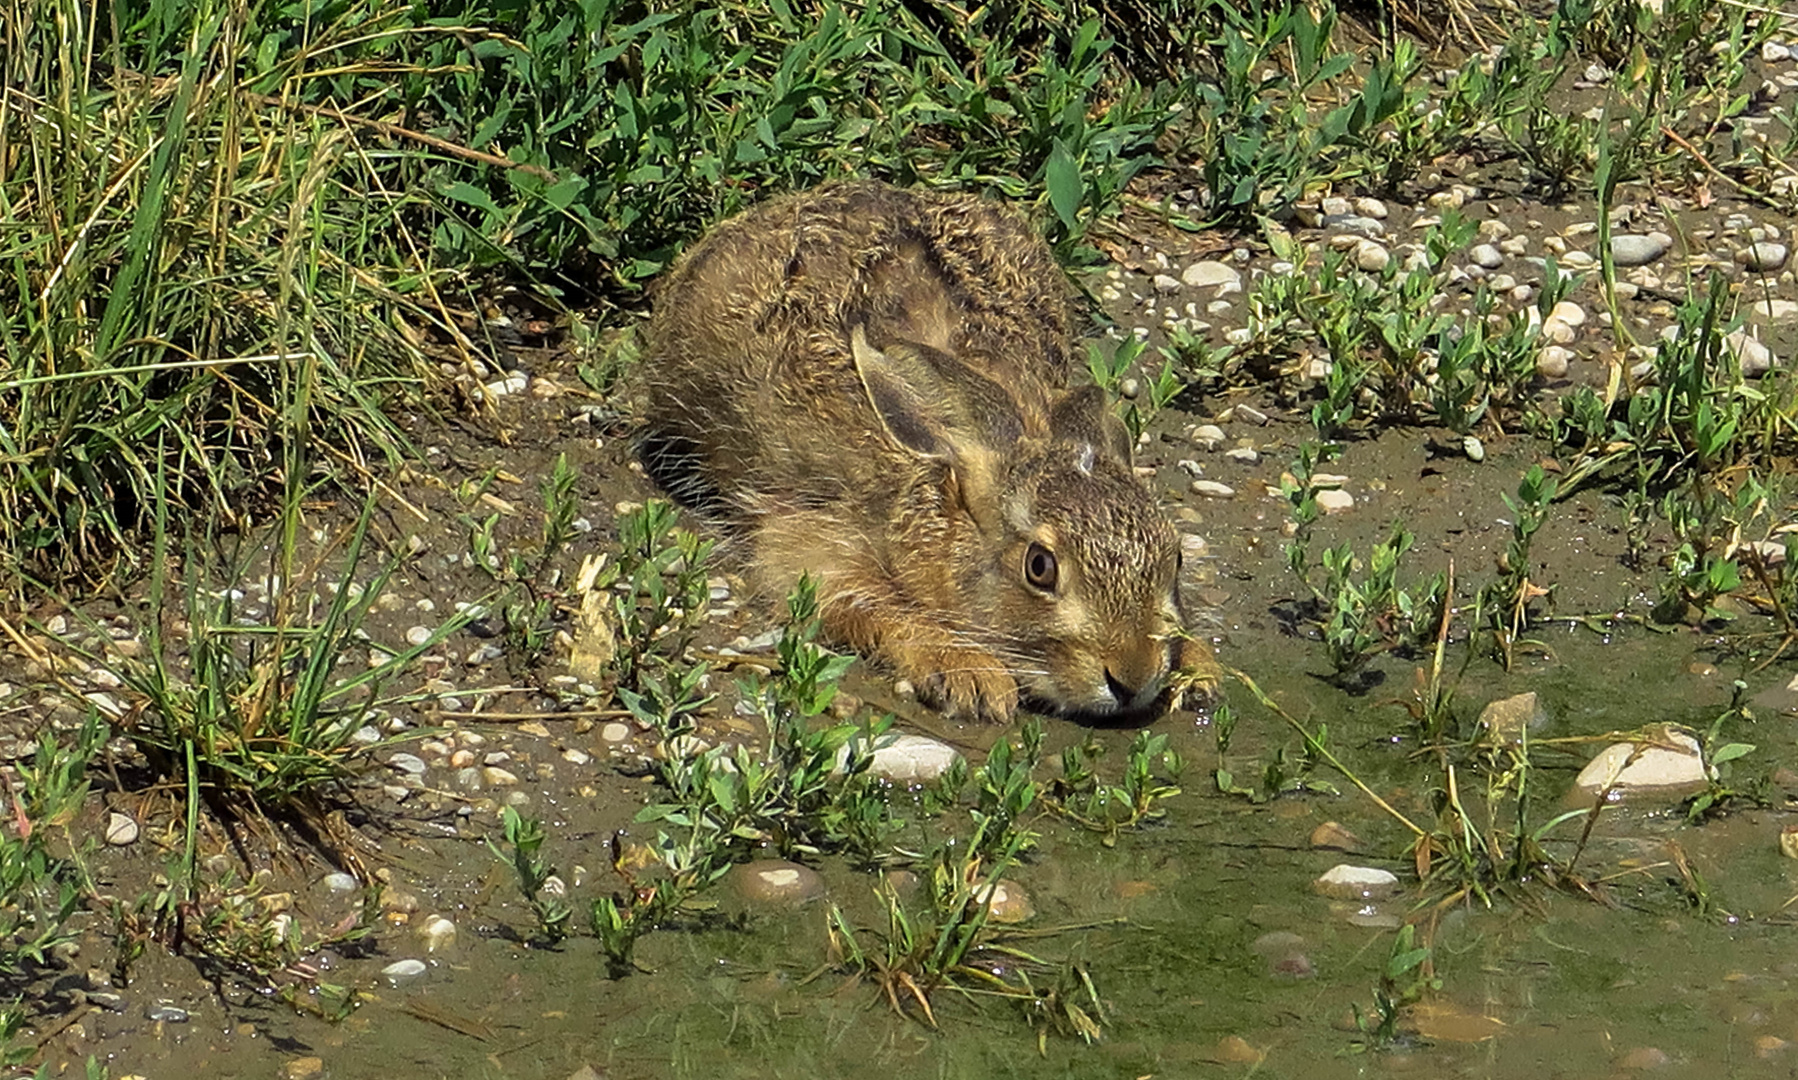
x=40, y=889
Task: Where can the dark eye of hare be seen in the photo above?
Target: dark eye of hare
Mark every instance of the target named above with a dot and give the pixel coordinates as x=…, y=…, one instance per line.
x=1039, y=567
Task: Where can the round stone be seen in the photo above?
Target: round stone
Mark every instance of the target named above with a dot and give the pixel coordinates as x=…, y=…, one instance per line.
x=1210, y=274
x=407, y=763
x=437, y=933
x=1371, y=257
x=1635, y=249
x=1334, y=501
x=1486, y=255
x=1765, y=257
x=1345, y=882
x=1672, y=766
x=777, y=882
x=1208, y=436
x=908, y=759
x=1009, y=903
x=1551, y=362
x=1166, y=283
x=120, y=829
x=404, y=969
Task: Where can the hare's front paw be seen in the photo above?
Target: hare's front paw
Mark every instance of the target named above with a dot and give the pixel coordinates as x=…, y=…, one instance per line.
x=963, y=683
x=1197, y=678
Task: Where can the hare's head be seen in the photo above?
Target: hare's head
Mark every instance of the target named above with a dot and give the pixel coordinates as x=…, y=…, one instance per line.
x=1067, y=571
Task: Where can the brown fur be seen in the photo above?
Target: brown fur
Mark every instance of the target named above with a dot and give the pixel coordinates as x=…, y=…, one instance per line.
x=872, y=386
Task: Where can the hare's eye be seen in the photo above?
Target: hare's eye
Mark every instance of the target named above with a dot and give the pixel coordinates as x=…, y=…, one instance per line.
x=1039, y=567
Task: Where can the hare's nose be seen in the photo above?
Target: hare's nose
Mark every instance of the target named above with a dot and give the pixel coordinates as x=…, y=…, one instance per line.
x=1121, y=692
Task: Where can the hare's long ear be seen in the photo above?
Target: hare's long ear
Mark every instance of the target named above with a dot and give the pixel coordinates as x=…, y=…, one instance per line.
x=1083, y=415
x=937, y=407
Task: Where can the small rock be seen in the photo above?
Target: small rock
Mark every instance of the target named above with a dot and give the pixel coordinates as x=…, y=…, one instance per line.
x=1166, y=283
x=1354, y=223
x=1788, y=841
x=1251, y=414
x=418, y=635
x=1754, y=357
x=1210, y=274
x=1235, y=1050
x=1473, y=448
x=438, y=933
x=908, y=759
x=1212, y=489
x=341, y=882
x=1008, y=903
x=1509, y=718
x=1345, y=882
x=120, y=829
x=404, y=969
x=1558, y=332
x=513, y=383
x=1765, y=257
x=498, y=777
x=1334, y=501
x=1486, y=255
x=407, y=763
x=1368, y=206
x=1627, y=769
x=1643, y=1057
x=301, y=1068
x=615, y=732
x=1552, y=361
x=1244, y=454
x=1634, y=249
x=1371, y=257
x=1332, y=836
x=1569, y=312
x=1773, y=52
x=164, y=1013
x=1208, y=436
x=776, y=882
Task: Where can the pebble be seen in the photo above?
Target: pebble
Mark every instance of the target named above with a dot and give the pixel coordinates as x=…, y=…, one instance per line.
x=498, y=777
x=1754, y=356
x=1251, y=414
x=339, y=881
x=1371, y=257
x=513, y=383
x=615, y=732
x=1765, y=257
x=1578, y=260
x=1473, y=448
x=1673, y=769
x=164, y=1013
x=1244, y=454
x=1208, y=436
x=1558, y=332
x=1345, y=882
x=776, y=881
x=1773, y=52
x=1509, y=718
x=1370, y=207
x=120, y=829
x=1486, y=255
x=1210, y=274
x=404, y=969
x=437, y=933
x=1552, y=361
x=1212, y=489
x=1569, y=312
x=908, y=759
x=1166, y=283
x=407, y=763
x=1332, y=836
x=301, y=1068
x=1334, y=501
x=1009, y=903
x=418, y=635
x=1638, y=249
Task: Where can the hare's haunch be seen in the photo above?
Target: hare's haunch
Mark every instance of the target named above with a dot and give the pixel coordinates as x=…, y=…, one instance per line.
x=872, y=386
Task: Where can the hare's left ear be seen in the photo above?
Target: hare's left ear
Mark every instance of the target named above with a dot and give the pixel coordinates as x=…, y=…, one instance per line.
x=1083, y=415
x=937, y=407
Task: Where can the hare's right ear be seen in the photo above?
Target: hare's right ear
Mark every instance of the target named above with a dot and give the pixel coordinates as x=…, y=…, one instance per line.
x=1084, y=415
x=936, y=407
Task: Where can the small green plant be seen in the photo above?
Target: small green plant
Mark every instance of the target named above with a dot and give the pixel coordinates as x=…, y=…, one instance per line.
x=662, y=599
x=1403, y=981
x=1506, y=600
x=1720, y=754
x=1080, y=796
x=1282, y=774
x=39, y=890
x=536, y=878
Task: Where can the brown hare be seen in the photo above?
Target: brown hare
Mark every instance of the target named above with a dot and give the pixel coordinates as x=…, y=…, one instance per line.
x=871, y=385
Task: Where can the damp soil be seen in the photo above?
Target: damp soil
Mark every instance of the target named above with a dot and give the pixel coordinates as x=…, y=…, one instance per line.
x=1171, y=921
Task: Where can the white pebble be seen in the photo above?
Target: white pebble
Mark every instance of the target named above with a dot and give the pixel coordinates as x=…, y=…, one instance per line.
x=1334, y=501
x=1212, y=489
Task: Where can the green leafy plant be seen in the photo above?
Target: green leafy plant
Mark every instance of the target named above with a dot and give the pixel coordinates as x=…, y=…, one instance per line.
x=536, y=878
